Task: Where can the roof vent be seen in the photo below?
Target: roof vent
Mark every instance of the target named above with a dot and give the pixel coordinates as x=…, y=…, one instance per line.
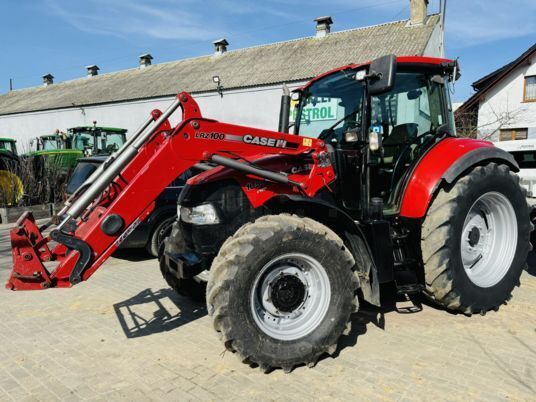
x=323, y=26
x=48, y=80
x=220, y=46
x=145, y=60
x=418, y=10
x=92, y=70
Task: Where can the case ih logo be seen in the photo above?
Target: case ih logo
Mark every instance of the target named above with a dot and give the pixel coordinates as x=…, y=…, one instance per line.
x=268, y=142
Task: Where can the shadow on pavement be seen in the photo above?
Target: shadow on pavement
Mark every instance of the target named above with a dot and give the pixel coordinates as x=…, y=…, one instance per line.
x=132, y=254
x=369, y=314
x=151, y=312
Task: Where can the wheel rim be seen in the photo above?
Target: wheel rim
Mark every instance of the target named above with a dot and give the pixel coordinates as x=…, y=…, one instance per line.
x=290, y=296
x=164, y=232
x=489, y=239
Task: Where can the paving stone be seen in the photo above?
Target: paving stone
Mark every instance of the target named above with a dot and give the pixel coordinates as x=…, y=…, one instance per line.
x=124, y=335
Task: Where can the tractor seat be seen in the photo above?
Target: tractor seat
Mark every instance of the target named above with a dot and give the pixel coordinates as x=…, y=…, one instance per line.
x=400, y=135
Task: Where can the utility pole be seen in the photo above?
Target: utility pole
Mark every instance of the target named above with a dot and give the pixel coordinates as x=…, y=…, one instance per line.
x=11, y=84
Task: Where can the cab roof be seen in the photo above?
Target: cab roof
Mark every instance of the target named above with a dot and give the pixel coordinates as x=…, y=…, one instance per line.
x=407, y=60
x=107, y=129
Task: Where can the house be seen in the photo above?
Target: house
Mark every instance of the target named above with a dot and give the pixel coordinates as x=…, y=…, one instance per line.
x=237, y=86
x=504, y=104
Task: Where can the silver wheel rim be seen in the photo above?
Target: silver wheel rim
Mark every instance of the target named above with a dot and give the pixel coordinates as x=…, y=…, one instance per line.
x=489, y=239
x=283, y=279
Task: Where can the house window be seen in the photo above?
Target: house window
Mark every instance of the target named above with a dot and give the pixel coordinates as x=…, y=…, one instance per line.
x=529, y=93
x=513, y=134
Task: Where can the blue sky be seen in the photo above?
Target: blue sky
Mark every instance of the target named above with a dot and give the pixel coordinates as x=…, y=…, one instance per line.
x=63, y=36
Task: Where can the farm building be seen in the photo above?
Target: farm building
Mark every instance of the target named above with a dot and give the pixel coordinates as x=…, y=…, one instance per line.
x=237, y=86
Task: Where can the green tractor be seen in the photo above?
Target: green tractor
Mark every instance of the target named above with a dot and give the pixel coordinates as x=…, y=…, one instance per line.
x=54, y=150
x=62, y=149
x=11, y=187
x=55, y=155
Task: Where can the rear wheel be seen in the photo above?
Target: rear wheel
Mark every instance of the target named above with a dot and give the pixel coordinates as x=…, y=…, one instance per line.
x=475, y=240
x=193, y=288
x=281, y=291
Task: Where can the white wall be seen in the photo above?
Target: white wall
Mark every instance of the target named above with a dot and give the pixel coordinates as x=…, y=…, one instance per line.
x=503, y=106
x=257, y=107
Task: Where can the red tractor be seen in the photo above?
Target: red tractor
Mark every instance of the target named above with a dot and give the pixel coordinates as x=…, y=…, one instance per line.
x=291, y=230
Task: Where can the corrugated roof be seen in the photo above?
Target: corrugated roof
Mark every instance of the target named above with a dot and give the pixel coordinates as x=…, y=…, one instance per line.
x=288, y=61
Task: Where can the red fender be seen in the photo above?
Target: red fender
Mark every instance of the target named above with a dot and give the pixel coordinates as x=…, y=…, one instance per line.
x=446, y=161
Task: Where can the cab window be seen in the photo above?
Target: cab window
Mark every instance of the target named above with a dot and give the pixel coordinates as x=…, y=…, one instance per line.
x=330, y=107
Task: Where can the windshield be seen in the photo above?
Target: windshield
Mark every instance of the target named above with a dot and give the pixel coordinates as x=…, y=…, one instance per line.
x=113, y=141
x=80, y=174
x=50, y=144
x=330, y=106
x=83, y=141
x=106, y=142
x=7, y=146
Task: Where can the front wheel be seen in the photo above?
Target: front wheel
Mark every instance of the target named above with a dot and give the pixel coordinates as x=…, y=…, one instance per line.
x=475, y=240
x=160, y=232
x=281, y=291
x=192, y=288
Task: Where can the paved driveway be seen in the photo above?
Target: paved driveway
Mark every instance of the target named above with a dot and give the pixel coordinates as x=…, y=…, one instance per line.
x=125, y=335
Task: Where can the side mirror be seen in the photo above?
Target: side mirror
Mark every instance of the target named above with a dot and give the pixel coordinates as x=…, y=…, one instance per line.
x=382, y=74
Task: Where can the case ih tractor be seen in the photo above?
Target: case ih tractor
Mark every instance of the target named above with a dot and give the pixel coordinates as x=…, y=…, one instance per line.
x=294, y=228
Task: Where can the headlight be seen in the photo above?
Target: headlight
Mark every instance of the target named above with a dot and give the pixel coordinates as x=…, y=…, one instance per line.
x=199, y=215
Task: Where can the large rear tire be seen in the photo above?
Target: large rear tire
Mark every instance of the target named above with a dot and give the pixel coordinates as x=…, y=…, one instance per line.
x=475, y=240
x=192, y=288
x=281, y=291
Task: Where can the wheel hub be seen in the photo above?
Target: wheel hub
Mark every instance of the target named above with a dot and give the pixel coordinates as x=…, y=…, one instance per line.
x=290, y=296
x=489, y=239
x=474, y=236
x=288, y=293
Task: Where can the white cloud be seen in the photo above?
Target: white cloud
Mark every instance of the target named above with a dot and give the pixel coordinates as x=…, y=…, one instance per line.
x=468, y=23
x=161, y=19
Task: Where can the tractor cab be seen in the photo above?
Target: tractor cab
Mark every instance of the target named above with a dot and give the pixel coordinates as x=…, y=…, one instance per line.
x=93, y=140
x=8, y=146
x=52, y=142
x=378, y=119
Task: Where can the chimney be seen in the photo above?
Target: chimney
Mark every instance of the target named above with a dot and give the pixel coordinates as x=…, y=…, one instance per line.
x=220, y=46
x=92, y=70
x=323, y=26
x=48, y=80
x=145, y=60
x=418, y=11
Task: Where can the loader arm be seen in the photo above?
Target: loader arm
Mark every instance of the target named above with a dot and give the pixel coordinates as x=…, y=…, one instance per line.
x=121, y=193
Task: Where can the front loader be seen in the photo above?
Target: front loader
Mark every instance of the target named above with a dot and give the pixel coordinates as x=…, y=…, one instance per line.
x=292, y=229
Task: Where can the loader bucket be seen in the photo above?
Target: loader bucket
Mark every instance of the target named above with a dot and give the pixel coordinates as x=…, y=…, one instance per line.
x=30, y=252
